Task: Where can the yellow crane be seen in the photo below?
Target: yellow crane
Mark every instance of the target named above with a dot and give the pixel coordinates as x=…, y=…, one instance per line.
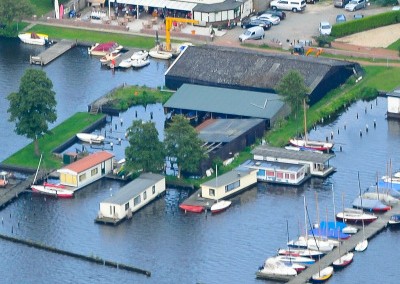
x=168, y=26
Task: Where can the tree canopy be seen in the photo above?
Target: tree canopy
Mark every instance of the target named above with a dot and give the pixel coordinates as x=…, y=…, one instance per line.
x=145, y=152
x=293, y=90
x=182, y=142
x=11, y=10
x=33, y=106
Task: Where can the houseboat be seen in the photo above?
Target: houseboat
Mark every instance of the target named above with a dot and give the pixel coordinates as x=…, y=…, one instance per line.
x=393, y=104
x=131, y=198
x=86, y=170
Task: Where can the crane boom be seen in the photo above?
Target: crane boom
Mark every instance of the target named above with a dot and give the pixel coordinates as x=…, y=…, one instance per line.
x=168, y=26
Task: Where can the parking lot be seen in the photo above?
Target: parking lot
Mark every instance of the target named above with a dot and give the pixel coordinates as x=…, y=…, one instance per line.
x=301, y=26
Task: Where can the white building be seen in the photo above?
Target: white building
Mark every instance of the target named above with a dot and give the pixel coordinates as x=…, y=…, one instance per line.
x=86, y=170
x=393, y=102
x=131, y=198
x=229, y=183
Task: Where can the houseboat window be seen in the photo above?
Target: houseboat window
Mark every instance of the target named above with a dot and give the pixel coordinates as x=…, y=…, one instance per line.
x=232, y=186
x=261, y=173
x=279, y=175
x=287, y=176
x=144, y=195
x=137, y=200
x=270, y=173
x=153, y=189
x=292, y=176
x=126, y=206
x=212, y=192
x=94, y=171
x=82, y=177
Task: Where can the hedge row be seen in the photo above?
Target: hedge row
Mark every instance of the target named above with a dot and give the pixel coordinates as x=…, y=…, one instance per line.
x=367, y=23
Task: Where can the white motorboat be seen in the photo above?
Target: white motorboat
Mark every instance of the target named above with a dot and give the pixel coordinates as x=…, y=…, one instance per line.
x=159, y=54
x=141, y=54
x=126, y=63
x=90, y=138
x=276, y=270
x=109, y=56
x=137, y=63
x=33, y=38
x=220, y=206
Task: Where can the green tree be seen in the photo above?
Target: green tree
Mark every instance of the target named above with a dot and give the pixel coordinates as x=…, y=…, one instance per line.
x=11, y=10
x=33, y=106
x=293, y=90
x=145, y=152
x=182, y=142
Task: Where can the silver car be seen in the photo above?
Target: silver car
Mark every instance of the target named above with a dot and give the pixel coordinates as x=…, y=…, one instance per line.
x=355, y=5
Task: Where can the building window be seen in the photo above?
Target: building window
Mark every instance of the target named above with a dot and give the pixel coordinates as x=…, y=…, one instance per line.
x=261, y=173
x=211, y=192
x=270, y=173
x=137, y=200
x=287, y=175
x=126, y=206
x=94, y=171
x=82, y=177
x=144, y=195
x=153, y=189
x=232, y=186
x=279, y=175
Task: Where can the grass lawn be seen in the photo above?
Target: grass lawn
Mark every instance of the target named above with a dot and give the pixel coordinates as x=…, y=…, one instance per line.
x=26, y=156
x=395, y=46
x=41, y=7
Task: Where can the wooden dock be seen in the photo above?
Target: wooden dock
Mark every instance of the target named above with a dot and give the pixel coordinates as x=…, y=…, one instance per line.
x=370, y=231
x=13, y=190
x=52, y=53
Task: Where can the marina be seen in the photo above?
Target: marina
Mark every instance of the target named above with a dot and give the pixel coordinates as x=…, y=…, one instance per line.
x=52, y=52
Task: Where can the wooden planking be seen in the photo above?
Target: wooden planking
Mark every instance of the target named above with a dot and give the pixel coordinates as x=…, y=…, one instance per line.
x=12, y=191
x=371, y=230
x=52, y=52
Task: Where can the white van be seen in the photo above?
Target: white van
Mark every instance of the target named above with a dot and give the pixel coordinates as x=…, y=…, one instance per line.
x=291, y=5
x=252, y=33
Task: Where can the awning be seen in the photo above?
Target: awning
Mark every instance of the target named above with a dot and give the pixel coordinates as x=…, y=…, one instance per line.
x=174, y=5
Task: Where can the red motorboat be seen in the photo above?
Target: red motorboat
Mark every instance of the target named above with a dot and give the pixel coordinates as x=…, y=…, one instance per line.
x=191, y=208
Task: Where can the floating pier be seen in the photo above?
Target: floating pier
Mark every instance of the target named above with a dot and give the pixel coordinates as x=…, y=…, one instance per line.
x=13, y=190
x=52, y=52
x=370, y=231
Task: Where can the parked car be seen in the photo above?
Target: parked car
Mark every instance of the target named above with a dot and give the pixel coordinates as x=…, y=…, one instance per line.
x=340, y=3
x=273, y=19
x=291, y=5
x=266, y=25
x=325, y=28
x=252, y=33
x=358, y=16
x=341, y=18
x=274, y=12
x=354, y=5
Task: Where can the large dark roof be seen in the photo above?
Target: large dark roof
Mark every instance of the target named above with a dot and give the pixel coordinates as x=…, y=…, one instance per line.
x=217, y=7
x=243, y=68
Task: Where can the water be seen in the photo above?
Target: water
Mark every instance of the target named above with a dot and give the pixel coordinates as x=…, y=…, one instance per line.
x=178, y=247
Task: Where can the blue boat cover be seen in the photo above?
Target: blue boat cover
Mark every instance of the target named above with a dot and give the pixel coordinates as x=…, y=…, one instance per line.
x=389, y=185
x=330, y=229
x=368, y=204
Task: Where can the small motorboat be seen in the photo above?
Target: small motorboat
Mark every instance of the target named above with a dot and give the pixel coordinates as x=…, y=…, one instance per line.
x=159, y=54
x=101, y=49
x=137, y=63
x=109, y=56
x=90, y=138
x=191, y=208
x=126, y=63
x=343, y=261
x=220, y=206
x=322, y=275
x=394, y=220
x=53, y=190
x=141, y=54
x=33, y=38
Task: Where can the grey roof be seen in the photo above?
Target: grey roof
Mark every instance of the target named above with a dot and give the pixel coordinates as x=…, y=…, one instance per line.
x=226, y=130
x=226, y=101
x=275, y=152
x=395, y=93
x=228, y=177
x=134, y=188
x=241, y=68
x=274, y=165
x=217, y=7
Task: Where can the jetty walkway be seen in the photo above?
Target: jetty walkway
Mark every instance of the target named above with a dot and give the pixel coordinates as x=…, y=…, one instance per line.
x=13, y=190
x=52, y=52
x=370, y=231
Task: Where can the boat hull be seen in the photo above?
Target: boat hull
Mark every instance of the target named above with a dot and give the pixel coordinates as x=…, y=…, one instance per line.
x=90, y=138
x=51, y=190
x=191, y=208
x=220, y=206
x=160, y=54
x=323, y=275
x=311, y=145
x=343, y=261
x=37, y=39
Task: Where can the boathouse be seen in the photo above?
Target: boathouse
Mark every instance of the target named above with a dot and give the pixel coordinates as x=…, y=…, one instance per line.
x=131, y=198
x=200, y=103
x=86, y=170
x=393, y=103
x=256, y=70
x=229, y=183
x=280, y=173
x=317, y=163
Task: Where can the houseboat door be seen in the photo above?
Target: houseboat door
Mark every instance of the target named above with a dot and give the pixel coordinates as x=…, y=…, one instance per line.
x=103, y=169
x=112, y=210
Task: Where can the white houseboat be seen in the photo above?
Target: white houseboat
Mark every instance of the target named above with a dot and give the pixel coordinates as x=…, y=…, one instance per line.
x=281, y=173
x=229, y=183
x=393, y=104
x=86, y=170
x=317, y=164
x=130, y=198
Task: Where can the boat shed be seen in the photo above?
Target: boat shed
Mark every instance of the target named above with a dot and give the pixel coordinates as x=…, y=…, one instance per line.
x=86, y=170
x=229, y=183
x=317, y=163
x=393, y=101
x=203, y=102
x=131, y=197
x=255, y=70
x=280, y=173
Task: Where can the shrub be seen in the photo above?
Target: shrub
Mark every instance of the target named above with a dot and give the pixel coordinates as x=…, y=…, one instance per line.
x=324, y=40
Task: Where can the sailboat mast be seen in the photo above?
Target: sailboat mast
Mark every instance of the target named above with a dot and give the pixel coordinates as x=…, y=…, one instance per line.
x=305, y=217
x=37, y=170
x=305, y=120
x=334, y=210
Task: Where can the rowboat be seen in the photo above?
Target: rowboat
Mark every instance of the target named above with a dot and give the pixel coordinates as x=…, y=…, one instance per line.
x=220, y=206
x=90, y=138
x=33, y=38
x=53, y=190
x=191, y=208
